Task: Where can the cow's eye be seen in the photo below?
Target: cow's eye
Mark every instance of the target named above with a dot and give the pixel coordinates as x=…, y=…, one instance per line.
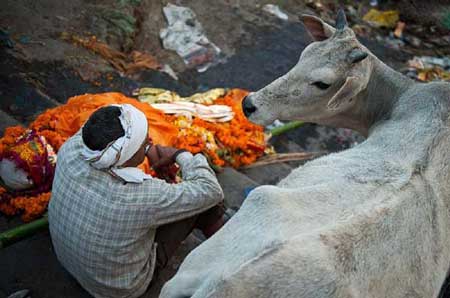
x=321, y=85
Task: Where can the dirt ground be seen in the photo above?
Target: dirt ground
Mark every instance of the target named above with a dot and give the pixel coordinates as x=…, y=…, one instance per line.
x=129, y=25
x=39, y=70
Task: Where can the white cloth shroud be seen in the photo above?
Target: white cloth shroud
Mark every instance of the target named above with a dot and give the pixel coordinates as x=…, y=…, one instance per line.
x=13, y=176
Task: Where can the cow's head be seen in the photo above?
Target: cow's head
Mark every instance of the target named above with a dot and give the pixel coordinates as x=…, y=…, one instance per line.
x=331, y=72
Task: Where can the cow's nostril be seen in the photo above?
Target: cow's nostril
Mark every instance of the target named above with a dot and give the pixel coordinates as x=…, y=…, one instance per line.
x=248, y=107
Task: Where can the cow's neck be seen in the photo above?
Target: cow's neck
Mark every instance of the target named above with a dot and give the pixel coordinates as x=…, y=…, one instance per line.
x=376, y=102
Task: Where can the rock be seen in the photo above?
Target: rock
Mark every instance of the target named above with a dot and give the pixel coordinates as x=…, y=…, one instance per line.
x=234, y=185
x=270, y=174
x=6, y=121
x=276, y=11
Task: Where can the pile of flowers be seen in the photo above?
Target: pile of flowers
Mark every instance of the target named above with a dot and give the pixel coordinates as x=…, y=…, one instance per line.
x=234, y=143
x=21, y=145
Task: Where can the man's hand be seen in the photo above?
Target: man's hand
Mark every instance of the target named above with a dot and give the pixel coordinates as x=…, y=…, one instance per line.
x=162, y=160
x=161, y=156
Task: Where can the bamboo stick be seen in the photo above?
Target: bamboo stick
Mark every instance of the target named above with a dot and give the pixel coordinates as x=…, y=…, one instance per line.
x=14, y=235
x=285, y=128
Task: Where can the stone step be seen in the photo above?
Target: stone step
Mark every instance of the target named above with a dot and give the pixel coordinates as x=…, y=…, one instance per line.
x=6, y=121
x=313, y=137
x=269, y=174
x=30, y=264
x=21, y=100
x=283, y=144
x=21, y=94
x=235, y=185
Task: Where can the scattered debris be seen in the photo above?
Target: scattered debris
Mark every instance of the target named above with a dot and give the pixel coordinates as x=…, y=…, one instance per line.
x=351, y=12
x=21, y=294
x=315, y=4
x=167, y=69
x=122, y=62
x=88, y=72
x=435, y=61
x=433, y=74
x=141, y=60
x=416, y=63
x=186, y=36
x=120, y=26
x=276, y=11
x=382, y=19
x=398, y=32
x=5, y=39
x=24, y=39
x=414, y=41
x=361, y=30
x=446, y=20
x=428, y=68
x=392, y=42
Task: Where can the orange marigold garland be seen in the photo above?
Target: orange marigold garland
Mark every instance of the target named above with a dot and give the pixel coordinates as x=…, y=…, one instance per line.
x=5, y=204
x=32, y=207
x=10, y=137
x=33, y=155
x=236, y=143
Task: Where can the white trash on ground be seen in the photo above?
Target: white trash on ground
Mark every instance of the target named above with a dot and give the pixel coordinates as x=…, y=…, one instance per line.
x=276, y=11
x=429, y=61
x=428, y=68
x=186, y=36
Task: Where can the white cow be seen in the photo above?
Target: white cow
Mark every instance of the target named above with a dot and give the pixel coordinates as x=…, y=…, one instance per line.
x=371, y=221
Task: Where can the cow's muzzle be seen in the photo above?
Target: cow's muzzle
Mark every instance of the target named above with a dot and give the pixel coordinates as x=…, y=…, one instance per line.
x=248, y=107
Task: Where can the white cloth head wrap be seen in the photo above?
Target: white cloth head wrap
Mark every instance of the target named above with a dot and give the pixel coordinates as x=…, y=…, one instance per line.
x=121, y=150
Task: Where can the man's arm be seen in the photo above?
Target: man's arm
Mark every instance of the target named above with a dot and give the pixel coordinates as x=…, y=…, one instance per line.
x=198, y=192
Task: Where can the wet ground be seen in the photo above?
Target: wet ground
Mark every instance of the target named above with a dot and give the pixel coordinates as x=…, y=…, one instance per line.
x=46, y=71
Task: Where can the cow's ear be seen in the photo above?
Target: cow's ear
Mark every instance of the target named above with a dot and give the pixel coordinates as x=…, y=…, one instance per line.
x=346, y=93
x=317, y=29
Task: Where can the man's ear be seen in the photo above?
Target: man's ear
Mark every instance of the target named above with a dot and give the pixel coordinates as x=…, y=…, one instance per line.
x=352, y=86
x=317, y=29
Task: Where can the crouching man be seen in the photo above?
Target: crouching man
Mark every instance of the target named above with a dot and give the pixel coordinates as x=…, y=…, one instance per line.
x=112, y=226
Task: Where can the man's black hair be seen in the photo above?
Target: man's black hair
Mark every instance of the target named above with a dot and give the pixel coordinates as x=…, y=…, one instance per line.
x=102, y=128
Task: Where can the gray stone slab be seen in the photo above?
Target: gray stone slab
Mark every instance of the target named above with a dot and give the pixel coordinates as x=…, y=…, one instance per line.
x=234, y=185
x=186, y=247
x=269, y=174
x=283, y=144
x=312, y=137
x=6, y=121
x=32, y=264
